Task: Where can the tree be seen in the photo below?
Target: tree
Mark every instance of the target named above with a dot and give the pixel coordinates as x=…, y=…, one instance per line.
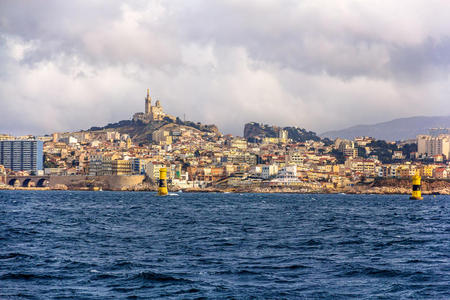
x=340, y=159
x=407, y=149
x=361, y=152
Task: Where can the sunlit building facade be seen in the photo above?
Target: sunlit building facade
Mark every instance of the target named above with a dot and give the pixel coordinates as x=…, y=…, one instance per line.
x=22, y=155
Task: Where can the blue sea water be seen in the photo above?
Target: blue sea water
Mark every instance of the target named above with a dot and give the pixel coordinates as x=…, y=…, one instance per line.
x=103, y=245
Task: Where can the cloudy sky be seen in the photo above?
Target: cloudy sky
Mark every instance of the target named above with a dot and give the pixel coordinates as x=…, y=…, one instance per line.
x=317, y=64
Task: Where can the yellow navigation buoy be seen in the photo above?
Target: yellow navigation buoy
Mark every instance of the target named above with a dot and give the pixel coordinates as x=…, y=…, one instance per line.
x=416, y=193
x=162, y=185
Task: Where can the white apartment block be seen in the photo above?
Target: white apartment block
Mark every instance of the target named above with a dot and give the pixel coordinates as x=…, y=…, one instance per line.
x=430, y=146
x=269, y=170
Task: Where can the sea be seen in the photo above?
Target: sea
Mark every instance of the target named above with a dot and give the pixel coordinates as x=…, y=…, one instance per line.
x=136, y=245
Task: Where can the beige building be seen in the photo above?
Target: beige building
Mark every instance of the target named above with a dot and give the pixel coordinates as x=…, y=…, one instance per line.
x=2, y=174
x=112, y=136
x=121, y=167
x=283, y=135
x=239, y=143
x=152, y=170
x=362, y=166
x=297, y=157
x=162, y=137
x=102, y=164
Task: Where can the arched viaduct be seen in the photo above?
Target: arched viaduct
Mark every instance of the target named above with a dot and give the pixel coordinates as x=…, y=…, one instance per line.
x=28, y=181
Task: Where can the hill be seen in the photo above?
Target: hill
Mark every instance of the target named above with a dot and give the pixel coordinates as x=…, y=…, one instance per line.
x=394, y=130
x=141, y=132
x=255, y=130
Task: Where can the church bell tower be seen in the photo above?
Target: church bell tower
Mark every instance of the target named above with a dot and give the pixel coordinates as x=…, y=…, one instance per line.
x=148, y=103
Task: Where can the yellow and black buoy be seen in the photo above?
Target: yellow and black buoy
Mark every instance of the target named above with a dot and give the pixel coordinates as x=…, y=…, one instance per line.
x=162, y=185
x=416, y=193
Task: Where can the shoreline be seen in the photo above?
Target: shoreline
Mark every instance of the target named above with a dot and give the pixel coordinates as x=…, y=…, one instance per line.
x=348, y=191
x=381, y=186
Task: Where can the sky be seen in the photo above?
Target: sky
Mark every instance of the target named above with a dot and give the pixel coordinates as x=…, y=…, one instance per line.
x=316, y=64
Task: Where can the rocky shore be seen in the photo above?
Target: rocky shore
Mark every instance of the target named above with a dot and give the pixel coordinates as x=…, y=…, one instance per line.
x=377, y=186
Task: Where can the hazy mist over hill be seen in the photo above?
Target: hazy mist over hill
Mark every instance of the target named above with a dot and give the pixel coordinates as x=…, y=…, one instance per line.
x=395, y=130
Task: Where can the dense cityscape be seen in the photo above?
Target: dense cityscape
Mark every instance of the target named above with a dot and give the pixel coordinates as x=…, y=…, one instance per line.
x=200, y=157
x=224, y=149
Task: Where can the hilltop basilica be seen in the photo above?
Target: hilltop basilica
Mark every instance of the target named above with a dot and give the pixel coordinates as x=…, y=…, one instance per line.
x=152, y=113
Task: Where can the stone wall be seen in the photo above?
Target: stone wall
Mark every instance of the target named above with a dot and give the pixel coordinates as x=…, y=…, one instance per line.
x=113, y=182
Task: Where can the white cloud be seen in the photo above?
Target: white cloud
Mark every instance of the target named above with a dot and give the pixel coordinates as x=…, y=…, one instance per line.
x=314, y=64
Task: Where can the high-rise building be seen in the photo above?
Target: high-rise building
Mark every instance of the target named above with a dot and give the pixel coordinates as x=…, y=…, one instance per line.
x=433, y=145
x=22, y=155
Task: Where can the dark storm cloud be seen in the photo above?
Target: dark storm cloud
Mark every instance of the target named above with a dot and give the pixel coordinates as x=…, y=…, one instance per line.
x=317, y=37
x=316, y=64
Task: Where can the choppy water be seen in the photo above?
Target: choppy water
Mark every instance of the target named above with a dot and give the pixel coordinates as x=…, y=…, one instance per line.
x=100, y=245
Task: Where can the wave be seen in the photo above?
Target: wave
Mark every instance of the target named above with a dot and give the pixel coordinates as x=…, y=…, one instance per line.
x=189, y=291
x=235, y=272
x=21, y=231
x=122, y=265
x=351, y=242
x=103, y=276
x=247, y=272
x=75, y=265
x=375, y=272
x=280, y=267
x=29, y=276
x=313, y=243
x=402, y=242
x=295, y=267
x=158, y=277
x=14, y=255
x=135, y=207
